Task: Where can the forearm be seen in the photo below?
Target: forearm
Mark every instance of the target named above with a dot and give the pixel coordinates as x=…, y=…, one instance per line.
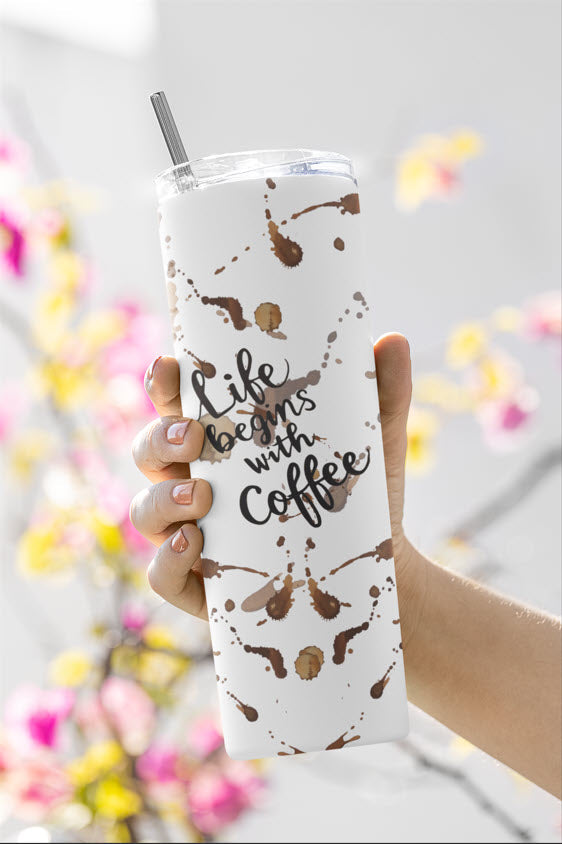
x=487, y=667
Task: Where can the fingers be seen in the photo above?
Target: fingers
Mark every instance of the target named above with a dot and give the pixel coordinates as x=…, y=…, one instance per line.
x=155, y=510
x=174, y=573
x=162, y=384
x=394, y=380
x=164, y=446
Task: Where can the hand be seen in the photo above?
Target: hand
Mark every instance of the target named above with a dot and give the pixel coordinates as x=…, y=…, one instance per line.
x=164, y=512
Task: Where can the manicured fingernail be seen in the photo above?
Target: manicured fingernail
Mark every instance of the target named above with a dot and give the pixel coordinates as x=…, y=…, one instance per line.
x=183, y=493
x=150, y=370
x=176, y=432
x=179, y=542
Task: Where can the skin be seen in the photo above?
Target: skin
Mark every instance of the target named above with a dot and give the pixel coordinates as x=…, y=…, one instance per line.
x=486, y=666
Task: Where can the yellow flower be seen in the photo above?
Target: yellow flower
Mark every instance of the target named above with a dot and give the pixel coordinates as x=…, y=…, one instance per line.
x=42, y=550
x=160, y=669
x=113, y=800
x=466, y=343
x=70, y=668
x=99, y=329
x=159, y=636
x=97, y=761
x=496, y=377
x=464, y=144
x=66, y=270
x=507, y=319
x=108, y=535
x=415, y=180
x=117, y=834
x=439, y=391
x=69, y=386
x=422, y=428
x=27, y=450
x=52, y=314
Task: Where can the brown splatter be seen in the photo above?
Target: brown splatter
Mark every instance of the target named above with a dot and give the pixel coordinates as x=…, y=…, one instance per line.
x=229, y=605
x=288, y=251
x=270, y=184
x=210, y=568
x=332, y=336
x=268, y=316
x=310, y=543
x=326, y=605
x=249, y=712
x=378, y=688
x=258, y=600
x=294, y=749
x=274, y=656
x=280, y=541
x=353, y=559
x=384, y=551
x=232, y=305
x=173, y=307
x=374, y=592
x=339, y=244
x=208, y=369
x=280, y=603
x=341, y=741
x=370, y=373
x=220, y=270
x=348, y=204
x=171, y=269
x=342, y=639
x=309, y=662
x=222, y=425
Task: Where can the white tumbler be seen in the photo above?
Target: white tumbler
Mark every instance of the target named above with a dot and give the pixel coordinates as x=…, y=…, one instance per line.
x=263, y=266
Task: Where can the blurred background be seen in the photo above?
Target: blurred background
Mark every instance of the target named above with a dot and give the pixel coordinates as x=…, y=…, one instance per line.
x=451, y=112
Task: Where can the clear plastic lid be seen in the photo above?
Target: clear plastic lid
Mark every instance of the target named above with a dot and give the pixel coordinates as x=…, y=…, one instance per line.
x=257, y=164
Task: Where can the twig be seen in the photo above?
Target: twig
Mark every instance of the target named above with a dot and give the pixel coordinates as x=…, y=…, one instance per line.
x=473, y=791
x=510, y=497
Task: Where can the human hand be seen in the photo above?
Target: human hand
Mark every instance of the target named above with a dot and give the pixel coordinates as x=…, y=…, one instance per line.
x=164, y=512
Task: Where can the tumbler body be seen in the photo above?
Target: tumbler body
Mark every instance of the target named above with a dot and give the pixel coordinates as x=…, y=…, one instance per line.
x=263, y=264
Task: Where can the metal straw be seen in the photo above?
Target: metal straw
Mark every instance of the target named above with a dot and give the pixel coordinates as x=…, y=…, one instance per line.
x=169, y=128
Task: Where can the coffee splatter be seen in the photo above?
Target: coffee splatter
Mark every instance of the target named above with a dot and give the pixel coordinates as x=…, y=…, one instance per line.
x=249, y=712
x=294, y=749
x=257, y=600
x=273, y=655
x=210, y=568
x=173, y=307
x=270, y=184
x=341, y=741
x=232, y=305
x=384, y=551
x=348, y=204
x=374, y=592
x=171, y=271
x=220, y=270
x=223, y=427
x=339, y=244
x=370, y=373
x=280, y=541
x=288, y=251
x=280, y=603
x=268, y=317
x=332, y=336
x=208, y=369
x=378, y=688
x=309, y=662
x=326, y=605
x=342, y=639
x=229, y=605
x=353, y=560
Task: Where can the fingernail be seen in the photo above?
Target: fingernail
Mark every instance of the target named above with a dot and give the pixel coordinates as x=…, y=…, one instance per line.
x=179, y=542
x=183, y=493
x=176, y=432
x=150, y=370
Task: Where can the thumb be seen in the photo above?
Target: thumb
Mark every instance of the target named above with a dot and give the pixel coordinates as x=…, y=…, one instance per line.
x=394, y=379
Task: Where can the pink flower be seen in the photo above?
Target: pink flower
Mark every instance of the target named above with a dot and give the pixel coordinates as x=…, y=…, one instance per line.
x=13, y=402
x=130, y=711
x=505, y=420
x=12, y=244
x=13, y=152
x=133, y=616
x=204, y=737
x=216, y=798
x=158, y=764
x=33, y=716
x=36, y=786
x=544, y=316
x=135, y=541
